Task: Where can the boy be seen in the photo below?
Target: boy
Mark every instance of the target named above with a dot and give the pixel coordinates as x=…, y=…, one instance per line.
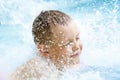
x=59, y=47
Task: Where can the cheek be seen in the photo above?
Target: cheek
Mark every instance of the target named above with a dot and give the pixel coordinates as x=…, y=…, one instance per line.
x=68, y=49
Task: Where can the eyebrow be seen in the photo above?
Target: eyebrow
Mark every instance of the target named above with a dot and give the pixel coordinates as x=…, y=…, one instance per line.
x=70, y=40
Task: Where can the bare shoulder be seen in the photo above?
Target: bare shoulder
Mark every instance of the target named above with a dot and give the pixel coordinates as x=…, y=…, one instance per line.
x=24, y=71
x=35, y=68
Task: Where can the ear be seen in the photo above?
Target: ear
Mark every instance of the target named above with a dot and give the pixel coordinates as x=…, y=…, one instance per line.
x=43, y=51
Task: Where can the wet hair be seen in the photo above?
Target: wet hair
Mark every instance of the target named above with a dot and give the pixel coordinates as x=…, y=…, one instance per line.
x=41, y=28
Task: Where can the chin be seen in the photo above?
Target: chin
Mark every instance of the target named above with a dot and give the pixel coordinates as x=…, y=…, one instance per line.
x=77, y=61
x=74, y=62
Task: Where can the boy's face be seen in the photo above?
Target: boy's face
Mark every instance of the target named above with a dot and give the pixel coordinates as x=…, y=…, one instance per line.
x=66, y=47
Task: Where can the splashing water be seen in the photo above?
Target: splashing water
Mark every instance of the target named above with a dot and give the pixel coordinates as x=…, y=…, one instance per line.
x=98, y=22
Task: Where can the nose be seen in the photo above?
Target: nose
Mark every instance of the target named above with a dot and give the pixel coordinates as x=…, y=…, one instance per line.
x=75, y=46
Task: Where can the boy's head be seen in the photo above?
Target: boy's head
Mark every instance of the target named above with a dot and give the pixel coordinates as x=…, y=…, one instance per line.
x=57, y=38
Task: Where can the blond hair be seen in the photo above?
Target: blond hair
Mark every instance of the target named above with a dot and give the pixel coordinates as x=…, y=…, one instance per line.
x=44, y=21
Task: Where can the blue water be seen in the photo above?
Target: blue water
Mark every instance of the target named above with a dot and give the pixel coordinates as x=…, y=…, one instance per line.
x=98, y=22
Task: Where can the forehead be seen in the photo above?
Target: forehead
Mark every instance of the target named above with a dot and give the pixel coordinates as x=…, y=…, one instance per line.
x=65, y=32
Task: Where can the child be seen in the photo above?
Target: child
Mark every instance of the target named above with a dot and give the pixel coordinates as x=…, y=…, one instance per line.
x=59, y=47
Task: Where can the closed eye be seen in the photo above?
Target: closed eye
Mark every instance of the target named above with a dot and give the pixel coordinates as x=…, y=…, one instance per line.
x=68, y=43
x=77, y=38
